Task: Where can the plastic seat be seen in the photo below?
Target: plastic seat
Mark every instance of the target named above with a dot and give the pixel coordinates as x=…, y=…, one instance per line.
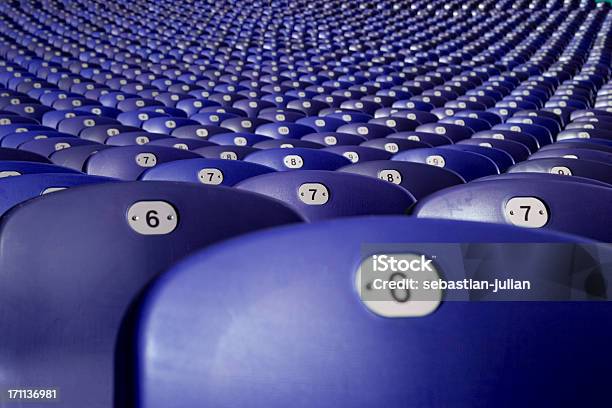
x=7, y=154
x=76, y=125
x=75, y=157
x=567, y=167
x=585, y=134
x=451, y=131
x=576, y=208
x=225, y=152
x=200, y=132
x=431, y=139
x=542, y=134
x=476, y=125
x=16, y=190
x=334, y=138
x=238, y=139
x=550, y=124
x=501, y=159
x=246, y=125
x=361, y=153
x=393, y=145
x=516, y=150
x=297, y=159
x=529, y=141
x=574, y=153
x=283, y=130
x=12, y=119
x=11, y=129
x=18, y=168
x=287, y=144
x=135, y=138
x=294, y=350
x=319, y=194
x=102, y=133
x=206, y=171
x=166, y=124
x=46, y=147
x=367, y=130
x=137, y=118
x=468, y=165
x=397, y=124
x=14, y=140
x=419, y=179
x=129, y=162
x=137, y=230
x=544, y=178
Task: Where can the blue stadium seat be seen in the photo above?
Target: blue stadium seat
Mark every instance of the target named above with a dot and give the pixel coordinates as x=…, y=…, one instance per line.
x=16, y=190
x=501, y=159
x=360, y=153
x=320, y=194
x=567, y=167
x=7, y=154
x=468, y=165
x=135, y=138
x=206, y=171
x=577, y=208
x=131, y=230
x=225, y=152
x=75, y=157
x=297, y=158
x=129, y=162
x=18, y=168
x=574, y=153
x=331, y=317
x=419, y=179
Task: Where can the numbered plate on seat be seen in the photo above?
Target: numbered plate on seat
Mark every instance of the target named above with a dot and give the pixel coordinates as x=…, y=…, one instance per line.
x=528, y=212
x=228, y=156
x=146, y=159
x=152, y=217
x=390, y=175
x=211, y=176
x=313, y=193
x=435, y=160
x=413, y=294
x=293, y=161
x=562, y=170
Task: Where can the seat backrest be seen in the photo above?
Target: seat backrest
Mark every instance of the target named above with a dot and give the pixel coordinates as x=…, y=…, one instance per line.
x=576, y=208
x=297, y=159
x=71, y=262
x=206, y=171
x=567, y=167
x=129, y=162
x=18, y=168
x=21, y=155
x=418, y=178
x=15, y=190
x=518, y=151
x=574, y=153
x=468, y=165
x=302, y=318
x=319, y=194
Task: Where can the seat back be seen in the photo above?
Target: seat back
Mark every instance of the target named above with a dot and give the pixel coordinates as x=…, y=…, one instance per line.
x=71, y=262
x=319, y=194
x=303, y=319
